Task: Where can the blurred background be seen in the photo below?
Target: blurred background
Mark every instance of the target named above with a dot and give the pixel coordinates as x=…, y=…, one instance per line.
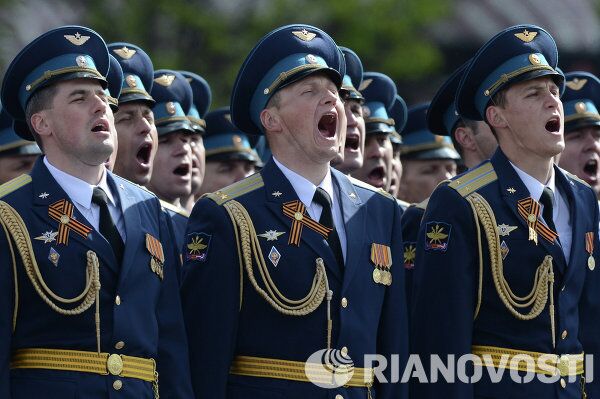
x=416, y=42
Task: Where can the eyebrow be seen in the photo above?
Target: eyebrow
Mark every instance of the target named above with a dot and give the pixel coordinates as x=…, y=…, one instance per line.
x=77, y=92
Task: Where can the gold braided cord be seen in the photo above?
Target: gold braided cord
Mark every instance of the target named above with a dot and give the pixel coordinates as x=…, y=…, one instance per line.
x=12, y=221
x=480, y=249
x=250, y=246
x=544, y=276
x=15, y=277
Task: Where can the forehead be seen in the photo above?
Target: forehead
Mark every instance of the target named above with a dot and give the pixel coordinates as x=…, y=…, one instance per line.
x=67, y=86
x=133, y=107
x=532, y=83
x=317, y=78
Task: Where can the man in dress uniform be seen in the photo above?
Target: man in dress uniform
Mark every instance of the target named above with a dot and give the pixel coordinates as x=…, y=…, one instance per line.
x=202, y=97
x=351, y=158
x=287, y=265
x=17, y=155
x=229, y=156
x=90, y=302
x=114, y=80
x=581, y=101
x=379, y=92
x=510, y=247
x=427, y=158
x=399, y=113
x=135, y=121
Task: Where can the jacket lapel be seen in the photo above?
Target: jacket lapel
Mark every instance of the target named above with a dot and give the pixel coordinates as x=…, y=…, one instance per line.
x=513, y=189
x=278, y=191
x=47, y=191
x=354, y=223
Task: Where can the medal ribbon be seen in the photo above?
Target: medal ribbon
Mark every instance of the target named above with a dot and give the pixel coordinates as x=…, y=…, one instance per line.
x=529, y=209
x=62, y=212
x=297, y=212
x=589, y=242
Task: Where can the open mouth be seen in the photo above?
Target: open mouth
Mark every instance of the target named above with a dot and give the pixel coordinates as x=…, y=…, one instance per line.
x=327, y=124
x=143, y=154
x=591, y=168
x=352, y=142
x=100, y=126
x=553, y=125
x=376, y=176
x=182, y=170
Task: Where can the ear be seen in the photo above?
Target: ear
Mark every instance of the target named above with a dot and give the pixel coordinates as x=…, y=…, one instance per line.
x=270, y=120
x=495, y=117
x=464, y=136
x=40, y=123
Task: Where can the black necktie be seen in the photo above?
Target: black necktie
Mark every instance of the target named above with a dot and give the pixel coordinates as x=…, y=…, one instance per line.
x=107, y=226
x=322, y=198
x=547, y=213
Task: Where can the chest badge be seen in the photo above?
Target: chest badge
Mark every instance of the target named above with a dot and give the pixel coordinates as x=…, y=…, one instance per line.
x=271, y=235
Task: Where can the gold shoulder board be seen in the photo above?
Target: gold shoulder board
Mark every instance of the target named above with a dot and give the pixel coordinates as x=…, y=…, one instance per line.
x=237, y=189
x=14, y=184
x=474, y=180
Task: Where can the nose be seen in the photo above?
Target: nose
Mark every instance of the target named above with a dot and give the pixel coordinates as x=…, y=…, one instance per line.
x=351, y=120
x=144, y=126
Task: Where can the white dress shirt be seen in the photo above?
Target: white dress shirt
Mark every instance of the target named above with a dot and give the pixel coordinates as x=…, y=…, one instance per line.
x=306, y=191
x=80, y=193
x=560, y=208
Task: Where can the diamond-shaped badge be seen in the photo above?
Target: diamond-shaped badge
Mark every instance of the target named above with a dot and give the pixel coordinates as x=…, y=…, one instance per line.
x=504, y=250
x=274, y=256
x=53, y=256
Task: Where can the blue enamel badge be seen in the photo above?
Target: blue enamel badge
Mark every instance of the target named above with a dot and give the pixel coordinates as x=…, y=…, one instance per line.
x=197, y=246
x=437, y=236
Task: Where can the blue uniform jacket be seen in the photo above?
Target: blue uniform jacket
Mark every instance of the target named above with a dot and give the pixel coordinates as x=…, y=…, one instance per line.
x=226, y=317
x=446, y=283
x=138, y=310
x=411, y=222
x=179, y=220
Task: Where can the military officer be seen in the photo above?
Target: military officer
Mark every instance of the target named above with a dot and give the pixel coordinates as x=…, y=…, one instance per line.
x=351, y=158
x=509, y=248
x=135, y=121
x=581, y=101
x=427, y=158
x=298, y=229
x=379, y=92
x=90, y=302
x=114, y=80
x=17, y=156
x=399, y=113
x=202, y=97
x=229, y=156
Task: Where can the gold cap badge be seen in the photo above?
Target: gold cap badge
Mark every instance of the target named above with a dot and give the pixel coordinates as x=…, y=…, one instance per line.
x=77, y=39
x=534, y=59
x=170, y=106
x=81, y=61
x=304, y=35
x=526, y=36
x=125, y=52
x=311, y=59
x=580, y=107
x=576, y=84
x=130, y=79
x=165, y=80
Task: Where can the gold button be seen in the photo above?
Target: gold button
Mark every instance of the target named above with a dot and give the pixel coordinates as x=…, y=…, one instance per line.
x=298, y=216
x=64, y=219
x=344, y=302
x=118, y=300
x=344, y=351
x=564, y=334
x=338, y=396
x=118, y=384
x=120, y=345
x=563, y=383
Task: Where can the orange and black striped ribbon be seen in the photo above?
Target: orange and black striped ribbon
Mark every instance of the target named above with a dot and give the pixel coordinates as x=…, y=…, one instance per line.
x=155, y=248
x=589, y=242
x=62, y=212
x=297, y=212
x=529, y=209
x=381, y=255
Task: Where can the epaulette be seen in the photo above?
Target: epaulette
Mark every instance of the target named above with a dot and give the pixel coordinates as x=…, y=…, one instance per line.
x=14, y=184
x=174, y=208
x=475, y=179
x=362, y=184
x=574, y=177
x=422, y=204
x=237, y=189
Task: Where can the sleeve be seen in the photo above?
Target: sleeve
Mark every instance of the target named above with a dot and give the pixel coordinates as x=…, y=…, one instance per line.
x=410, y=222
x=210, y=297
x=444, y=291
x=589, y=314
x=7, y=290
x=173, y=362
x=393, y=327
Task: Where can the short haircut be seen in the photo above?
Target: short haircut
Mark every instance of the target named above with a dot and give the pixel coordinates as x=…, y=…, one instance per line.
x=39, y=101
